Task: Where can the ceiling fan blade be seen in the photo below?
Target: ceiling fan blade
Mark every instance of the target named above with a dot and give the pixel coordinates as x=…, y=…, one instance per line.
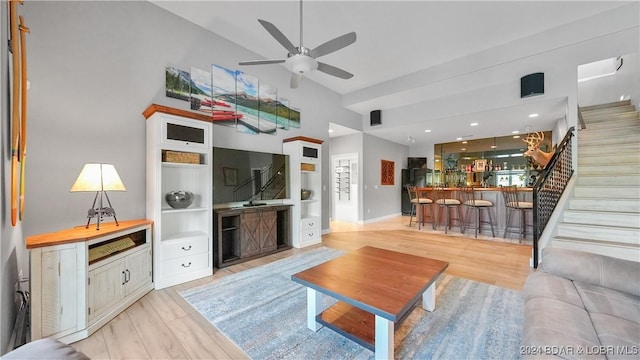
x=295, y=80
x=279, y=36
x=332, y=70
x=333, y=45
x=262, y=62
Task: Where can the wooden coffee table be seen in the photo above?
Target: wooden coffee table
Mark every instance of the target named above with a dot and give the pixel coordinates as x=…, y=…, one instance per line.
x=376, y=290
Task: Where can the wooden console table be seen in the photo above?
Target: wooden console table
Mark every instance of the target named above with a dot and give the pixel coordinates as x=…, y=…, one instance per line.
x=82, y=278
x=245, y=233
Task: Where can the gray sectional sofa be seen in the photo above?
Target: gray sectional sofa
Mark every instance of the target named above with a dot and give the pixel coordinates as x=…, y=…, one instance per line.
x=582, y=305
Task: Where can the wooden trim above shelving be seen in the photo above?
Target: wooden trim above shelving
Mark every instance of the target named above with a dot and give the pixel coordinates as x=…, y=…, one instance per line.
x=153, y=108
x=80, y=233
x=303, y=138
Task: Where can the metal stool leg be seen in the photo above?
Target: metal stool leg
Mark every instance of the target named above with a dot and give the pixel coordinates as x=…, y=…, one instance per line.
x=491, y=222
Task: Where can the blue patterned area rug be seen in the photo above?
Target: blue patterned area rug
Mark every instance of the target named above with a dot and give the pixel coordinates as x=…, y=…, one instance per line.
x=264, y=313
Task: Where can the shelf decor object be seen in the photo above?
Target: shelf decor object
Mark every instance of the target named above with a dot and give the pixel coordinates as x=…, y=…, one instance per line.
x=99, y=178
x=179, y=161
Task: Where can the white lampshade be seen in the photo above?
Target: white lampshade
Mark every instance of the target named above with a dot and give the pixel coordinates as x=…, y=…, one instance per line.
x=98, y=177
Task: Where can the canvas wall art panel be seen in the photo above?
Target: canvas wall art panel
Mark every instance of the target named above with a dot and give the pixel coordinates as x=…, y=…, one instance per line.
x=223, y=88
x=177, y=83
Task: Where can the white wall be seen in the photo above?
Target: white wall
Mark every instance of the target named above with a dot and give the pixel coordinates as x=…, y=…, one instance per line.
x=95, y=68
x=381, y=200
x=625, y=82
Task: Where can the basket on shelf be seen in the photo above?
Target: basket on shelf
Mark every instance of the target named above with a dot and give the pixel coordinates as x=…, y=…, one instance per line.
x=180, y=157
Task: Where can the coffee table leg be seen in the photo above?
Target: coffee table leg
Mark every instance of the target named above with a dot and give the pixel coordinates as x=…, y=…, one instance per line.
x=384, y=338
x=429, y=298
x=314, y=307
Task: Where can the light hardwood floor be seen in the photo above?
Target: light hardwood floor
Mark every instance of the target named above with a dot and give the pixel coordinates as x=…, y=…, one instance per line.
x=162, y=325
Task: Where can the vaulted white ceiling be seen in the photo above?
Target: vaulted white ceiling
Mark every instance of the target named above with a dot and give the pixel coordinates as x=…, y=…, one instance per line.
x=394, y=38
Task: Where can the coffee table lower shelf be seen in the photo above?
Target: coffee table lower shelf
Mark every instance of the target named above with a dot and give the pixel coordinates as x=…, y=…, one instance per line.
x=350, y=322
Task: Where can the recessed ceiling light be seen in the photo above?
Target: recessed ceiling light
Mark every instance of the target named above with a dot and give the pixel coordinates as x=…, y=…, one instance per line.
x=493, y=146
x=533, y=115
x=464, y=142
x=427, y=130
x=458, y=139
x=474, y=124
x=515, y=132
x=330, y=130
x=464, y=149
x=516, y=136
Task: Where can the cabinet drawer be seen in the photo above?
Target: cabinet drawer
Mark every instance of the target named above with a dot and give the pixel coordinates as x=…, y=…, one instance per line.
x=186, y=264
x=311, y=234
x=189, y=246
x=311, y=223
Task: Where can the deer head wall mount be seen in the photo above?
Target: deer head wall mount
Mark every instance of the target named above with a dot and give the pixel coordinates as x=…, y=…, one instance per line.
x=533, y=149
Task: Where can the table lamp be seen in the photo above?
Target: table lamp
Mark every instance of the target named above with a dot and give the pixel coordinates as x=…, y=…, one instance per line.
x=99, y=178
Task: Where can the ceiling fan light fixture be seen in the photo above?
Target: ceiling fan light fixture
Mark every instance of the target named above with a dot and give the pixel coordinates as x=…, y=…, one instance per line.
x=301, y=64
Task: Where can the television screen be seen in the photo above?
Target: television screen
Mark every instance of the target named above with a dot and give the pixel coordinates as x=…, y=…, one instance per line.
x=417, y=163
x=242, y=175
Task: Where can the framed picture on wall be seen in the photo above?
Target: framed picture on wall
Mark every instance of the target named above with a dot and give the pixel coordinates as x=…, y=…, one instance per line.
x=480, y=165
x=230, y=176
x=387, y=172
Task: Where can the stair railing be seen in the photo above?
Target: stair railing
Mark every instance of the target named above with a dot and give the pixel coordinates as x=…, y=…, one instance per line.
x=583, y=125
x=549, y=187
x=245, y=189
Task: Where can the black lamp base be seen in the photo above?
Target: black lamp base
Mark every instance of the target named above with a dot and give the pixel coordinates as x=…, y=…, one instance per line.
x=100, y=212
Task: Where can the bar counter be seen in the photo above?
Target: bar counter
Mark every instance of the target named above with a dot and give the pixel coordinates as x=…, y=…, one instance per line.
x=498, y=210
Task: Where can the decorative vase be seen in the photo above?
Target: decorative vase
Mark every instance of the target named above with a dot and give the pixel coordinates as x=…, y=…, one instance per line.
x=179, y=199
x=305, y=194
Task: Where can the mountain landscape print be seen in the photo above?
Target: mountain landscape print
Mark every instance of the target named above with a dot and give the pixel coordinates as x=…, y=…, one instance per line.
x=233, y=98
x=177, y=83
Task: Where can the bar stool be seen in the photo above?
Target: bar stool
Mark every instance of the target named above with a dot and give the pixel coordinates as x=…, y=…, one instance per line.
x=513, y=204
x=446, y=203
x=470, y=202
x=417, y=200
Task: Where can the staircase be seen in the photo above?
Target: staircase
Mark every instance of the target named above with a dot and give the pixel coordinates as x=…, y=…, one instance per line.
x=603, y=215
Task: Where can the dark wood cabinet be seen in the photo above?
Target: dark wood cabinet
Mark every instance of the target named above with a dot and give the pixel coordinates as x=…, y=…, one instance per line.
x=247, y=233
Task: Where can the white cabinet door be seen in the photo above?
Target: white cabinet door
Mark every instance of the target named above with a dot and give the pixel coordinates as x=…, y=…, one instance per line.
x=59, y=288
x=137, y=269
x=106, y=288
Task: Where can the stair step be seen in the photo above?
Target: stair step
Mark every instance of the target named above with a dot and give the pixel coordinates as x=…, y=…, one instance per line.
x=587, y=150
x=613, y=124
x=611, y=170
x=607, y=111
x=607, y=192
x=599, y=204
x=611, y=117
x=605, y=105
x=603, y=233
x=617, y=180
x=621, y=251
x=609, y=140
x=605, y=159
x=602, y=218
x=587, y=133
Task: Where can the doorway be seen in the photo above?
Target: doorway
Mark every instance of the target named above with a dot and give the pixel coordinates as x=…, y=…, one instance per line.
x=344, y=177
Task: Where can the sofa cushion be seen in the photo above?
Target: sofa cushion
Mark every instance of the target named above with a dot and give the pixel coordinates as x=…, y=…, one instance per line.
x=540, y=284
x=620, y=338
x=556, y=324
x=617, y=274
x=46, y=348
x=600, y=300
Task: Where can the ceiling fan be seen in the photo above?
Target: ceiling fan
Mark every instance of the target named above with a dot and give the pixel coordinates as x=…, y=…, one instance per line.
x=300, y=59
